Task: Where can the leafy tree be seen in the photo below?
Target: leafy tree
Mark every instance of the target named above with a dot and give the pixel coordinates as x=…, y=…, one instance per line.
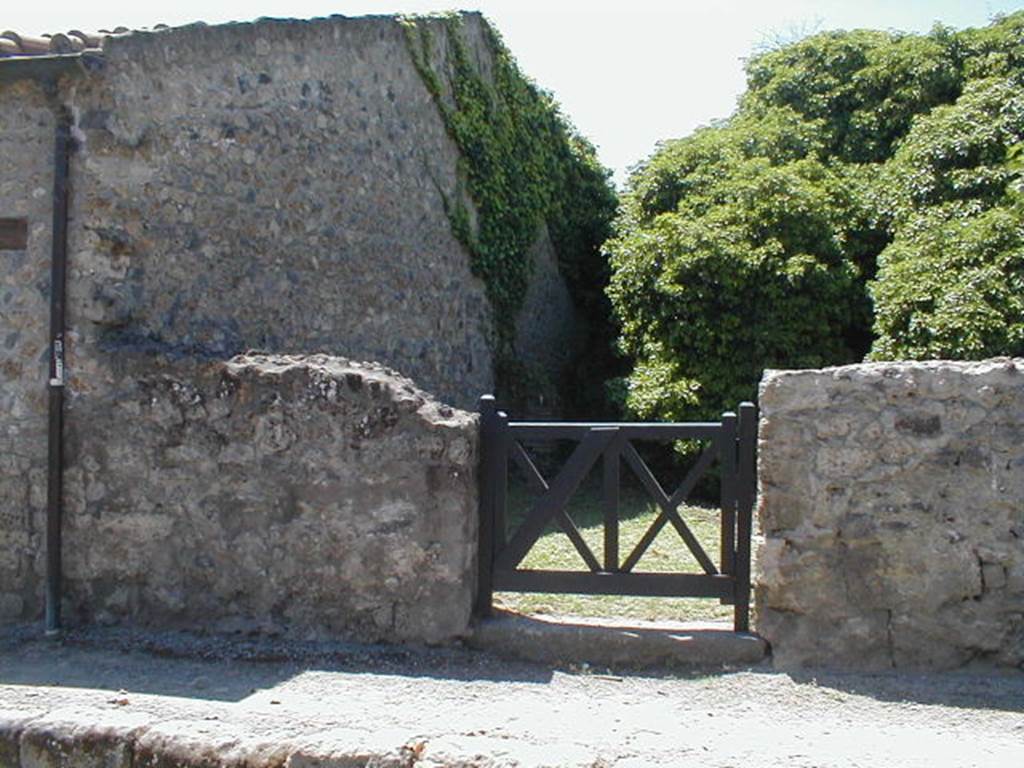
x=863, y=87
x=952, y=282
x=997, y=49
x=721, y=268
x=858, y=166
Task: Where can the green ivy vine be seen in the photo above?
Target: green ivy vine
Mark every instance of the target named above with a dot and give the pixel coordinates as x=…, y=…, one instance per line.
x=521, y=164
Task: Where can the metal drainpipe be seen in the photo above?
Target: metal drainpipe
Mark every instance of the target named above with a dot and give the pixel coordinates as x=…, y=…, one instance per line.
x=58, y=279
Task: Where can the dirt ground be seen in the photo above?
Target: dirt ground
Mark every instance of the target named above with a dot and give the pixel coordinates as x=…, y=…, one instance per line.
x=257, y=702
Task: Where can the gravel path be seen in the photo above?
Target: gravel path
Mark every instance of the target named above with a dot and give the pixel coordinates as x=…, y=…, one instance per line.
x=333, y=705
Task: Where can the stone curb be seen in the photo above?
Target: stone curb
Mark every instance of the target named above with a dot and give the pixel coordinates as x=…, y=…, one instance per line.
x=87, y=738
x=83, y=738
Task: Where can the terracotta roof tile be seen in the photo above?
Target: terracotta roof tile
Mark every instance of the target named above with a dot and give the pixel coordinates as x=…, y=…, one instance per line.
x=74, y=41
x=28, y=45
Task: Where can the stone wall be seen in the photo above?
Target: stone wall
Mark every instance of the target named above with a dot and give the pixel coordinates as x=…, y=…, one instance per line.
x=547, y=305
x=277, y=186
x=270, y=493
x=26, y=146
x=892, y=509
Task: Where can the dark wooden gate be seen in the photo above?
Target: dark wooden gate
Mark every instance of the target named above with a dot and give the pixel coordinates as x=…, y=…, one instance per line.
x=731, y=443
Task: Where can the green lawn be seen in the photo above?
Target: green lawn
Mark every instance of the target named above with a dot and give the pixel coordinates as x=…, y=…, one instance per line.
x=668, y=552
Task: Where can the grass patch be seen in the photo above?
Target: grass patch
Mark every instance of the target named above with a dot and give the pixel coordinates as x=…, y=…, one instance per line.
x=668, y=553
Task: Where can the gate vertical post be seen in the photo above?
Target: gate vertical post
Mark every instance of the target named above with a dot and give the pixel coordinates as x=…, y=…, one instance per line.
x=500, y=459
x=747, y=492
x=610, y=501
x=728, y=491
x=487, y=480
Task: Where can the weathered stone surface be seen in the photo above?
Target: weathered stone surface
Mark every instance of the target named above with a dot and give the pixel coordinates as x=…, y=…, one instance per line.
x=892, y=508
x=351, y=748
x=277, y=185
x=26, y=146
x=272, y=492
x=12, y=724
x=73, y=738
x=330, y=705
x=617, y=642
x=188, y=744
x=546, y=329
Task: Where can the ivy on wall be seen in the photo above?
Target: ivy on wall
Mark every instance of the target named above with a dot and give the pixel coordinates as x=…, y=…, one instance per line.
x=522, y=164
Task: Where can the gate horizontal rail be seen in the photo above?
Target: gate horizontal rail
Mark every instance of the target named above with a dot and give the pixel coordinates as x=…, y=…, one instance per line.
x=604, y=583
x=732, y=446
x=541, y=430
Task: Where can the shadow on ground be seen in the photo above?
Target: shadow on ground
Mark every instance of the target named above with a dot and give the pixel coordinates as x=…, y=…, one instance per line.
x=226, y=668
x=233, y=668
x=979, y=687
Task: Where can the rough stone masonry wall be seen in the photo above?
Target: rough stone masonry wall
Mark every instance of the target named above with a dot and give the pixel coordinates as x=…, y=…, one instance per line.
x=892, y=509
x=26, y=147
x=277, y=186
x=272, y=493
x=282, y=186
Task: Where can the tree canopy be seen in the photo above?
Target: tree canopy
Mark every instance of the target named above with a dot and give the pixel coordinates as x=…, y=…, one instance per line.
x=865, y=199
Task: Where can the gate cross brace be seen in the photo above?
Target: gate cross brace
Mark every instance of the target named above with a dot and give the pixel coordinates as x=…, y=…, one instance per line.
x=668, y=506
x=539, y=484
x=559, y=491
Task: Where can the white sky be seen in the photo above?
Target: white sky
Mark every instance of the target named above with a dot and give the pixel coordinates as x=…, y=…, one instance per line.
x=627, y=73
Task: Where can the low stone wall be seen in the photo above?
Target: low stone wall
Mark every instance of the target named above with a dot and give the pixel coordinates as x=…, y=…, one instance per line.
x=270, y=492
x=892, y=509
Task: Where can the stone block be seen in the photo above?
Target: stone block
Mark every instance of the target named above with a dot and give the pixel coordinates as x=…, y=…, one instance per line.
x=824, y=639
x=892, y=530
x=11, y=725
x=332, y=498
x=72, y=738
x=11, y=606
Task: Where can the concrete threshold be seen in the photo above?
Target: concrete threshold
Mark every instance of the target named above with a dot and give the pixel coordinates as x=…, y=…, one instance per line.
x=617, y=642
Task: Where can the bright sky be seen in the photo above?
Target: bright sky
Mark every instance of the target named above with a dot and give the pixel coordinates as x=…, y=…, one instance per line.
x=627, y=73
